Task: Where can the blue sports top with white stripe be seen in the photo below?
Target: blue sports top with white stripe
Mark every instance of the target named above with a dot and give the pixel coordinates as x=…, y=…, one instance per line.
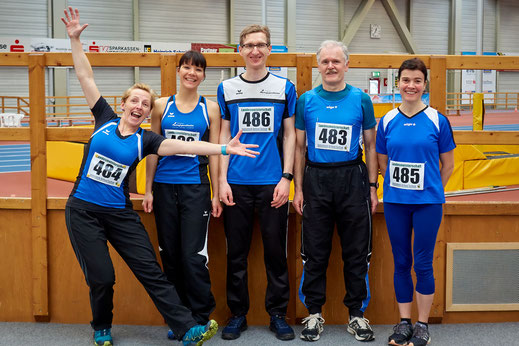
x=192, y=126
x=108, y=160
x=413, y=146
x=258, y=108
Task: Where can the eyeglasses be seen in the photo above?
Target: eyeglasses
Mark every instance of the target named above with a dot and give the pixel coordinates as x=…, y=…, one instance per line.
x=250, y=46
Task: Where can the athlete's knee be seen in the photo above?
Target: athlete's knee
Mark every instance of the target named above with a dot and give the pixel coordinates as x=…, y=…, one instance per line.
x=106, y=279
x=403, y=265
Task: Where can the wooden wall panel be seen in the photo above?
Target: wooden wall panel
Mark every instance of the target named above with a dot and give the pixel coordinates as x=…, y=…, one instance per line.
x=15, y=266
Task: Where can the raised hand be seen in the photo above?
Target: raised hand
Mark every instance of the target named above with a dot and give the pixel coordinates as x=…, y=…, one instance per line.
x=71, y=20
x=235, y=147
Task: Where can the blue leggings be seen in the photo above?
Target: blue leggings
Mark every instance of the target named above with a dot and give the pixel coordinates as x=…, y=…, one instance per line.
x=401, y=219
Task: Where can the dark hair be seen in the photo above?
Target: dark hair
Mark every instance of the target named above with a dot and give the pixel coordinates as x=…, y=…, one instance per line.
x=193, y=57
x=413, y=64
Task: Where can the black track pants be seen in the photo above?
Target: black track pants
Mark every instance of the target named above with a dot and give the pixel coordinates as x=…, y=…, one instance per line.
x=89, y=232
x=336, y=196
x=238, y=222
x=182, y=216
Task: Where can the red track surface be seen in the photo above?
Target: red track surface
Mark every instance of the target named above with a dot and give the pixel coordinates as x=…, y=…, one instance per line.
x=491, y=118
x=19, y=184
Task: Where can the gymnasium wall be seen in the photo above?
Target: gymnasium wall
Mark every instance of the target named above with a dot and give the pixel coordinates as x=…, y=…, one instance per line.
x=173, y=21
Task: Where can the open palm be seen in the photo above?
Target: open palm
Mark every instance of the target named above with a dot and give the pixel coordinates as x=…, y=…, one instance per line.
x=71, y=20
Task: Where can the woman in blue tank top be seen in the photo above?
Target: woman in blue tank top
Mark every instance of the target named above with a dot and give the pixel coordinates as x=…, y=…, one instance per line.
x=178, y=189
x=412, y=141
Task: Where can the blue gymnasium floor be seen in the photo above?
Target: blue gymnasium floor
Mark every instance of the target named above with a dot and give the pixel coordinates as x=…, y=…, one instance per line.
x=15, y=158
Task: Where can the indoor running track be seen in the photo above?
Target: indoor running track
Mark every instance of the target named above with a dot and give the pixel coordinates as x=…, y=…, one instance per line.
x=15, y=158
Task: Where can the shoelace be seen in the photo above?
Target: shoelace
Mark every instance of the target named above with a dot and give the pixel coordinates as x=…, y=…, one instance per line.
x=403, y=328
x=196, y=332
x=362, y=322
x=103, y=332
x=312, y=321
x=421, y=332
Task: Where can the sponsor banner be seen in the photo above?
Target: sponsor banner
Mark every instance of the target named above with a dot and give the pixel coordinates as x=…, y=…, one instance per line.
x=15, y=44
x=214, y=48
x=165, y=47
x=103, y=46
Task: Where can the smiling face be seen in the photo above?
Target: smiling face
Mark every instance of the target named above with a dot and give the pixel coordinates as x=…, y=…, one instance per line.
x=136, y=107
x=190, y=75
x=411, y=85
x=255, y=57
x=332, y=66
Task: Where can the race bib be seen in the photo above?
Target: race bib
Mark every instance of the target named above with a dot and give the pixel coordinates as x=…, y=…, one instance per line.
x=333, y=136
x=181, y=135
x=256, y=119
x=106, y=170
x=407, y=175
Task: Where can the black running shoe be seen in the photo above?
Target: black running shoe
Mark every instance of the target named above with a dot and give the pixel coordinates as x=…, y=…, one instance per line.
x=402, y=333
x=421, y=335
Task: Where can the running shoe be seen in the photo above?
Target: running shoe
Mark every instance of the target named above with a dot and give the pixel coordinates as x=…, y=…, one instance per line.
x=313, y=327
x=171, y=335
x=279, y=326
x=198, y=334
x=103, y=337
x=360, y=328
x=233, y=329
x=420, y=336
x=402, y=333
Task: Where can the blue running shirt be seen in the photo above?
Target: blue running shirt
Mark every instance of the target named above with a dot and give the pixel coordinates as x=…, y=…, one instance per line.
x=334, y=122
x=258, y=108
x=109, y=159
x=413, y=146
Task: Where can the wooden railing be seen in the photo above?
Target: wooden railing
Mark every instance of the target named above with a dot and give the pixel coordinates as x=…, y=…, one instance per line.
x=38, y=133
x=457, y=101
x=14, y=104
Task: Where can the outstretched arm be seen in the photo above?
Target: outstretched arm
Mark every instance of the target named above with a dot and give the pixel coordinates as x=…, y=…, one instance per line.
x=235, y=147
x=84, y=72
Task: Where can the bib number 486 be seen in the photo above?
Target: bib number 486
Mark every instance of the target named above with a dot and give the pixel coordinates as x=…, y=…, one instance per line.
x=255, y=119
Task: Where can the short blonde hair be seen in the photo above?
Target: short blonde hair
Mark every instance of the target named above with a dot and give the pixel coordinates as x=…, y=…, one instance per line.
x=251, y=29
x=141, y=86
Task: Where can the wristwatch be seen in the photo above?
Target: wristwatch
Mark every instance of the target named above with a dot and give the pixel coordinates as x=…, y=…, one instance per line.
x=288, y=176
x=375, y=185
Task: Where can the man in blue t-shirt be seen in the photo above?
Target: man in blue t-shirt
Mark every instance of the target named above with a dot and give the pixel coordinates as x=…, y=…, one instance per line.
x=261, y=105
x=334, y=122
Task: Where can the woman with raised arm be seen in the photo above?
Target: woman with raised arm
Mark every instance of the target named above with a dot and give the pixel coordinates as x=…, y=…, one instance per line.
x=99, y=208
x=412, y=141
x=178, y=190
